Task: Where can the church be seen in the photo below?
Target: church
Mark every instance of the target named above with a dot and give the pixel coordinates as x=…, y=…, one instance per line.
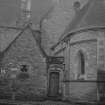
x=74, y=67
x=83, y=47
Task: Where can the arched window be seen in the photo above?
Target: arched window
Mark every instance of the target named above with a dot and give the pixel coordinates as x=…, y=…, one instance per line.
x=81, y=63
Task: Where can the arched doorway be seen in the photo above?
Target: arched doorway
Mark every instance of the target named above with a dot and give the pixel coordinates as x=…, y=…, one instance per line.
x=55, y=75
x=54, y=84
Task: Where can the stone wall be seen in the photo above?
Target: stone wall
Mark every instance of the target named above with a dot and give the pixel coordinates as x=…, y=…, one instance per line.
x=84, y=90
x=87, y=43
x=26, y=51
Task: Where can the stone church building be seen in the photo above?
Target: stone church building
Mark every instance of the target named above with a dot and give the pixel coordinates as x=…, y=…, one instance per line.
x=74, y=72
x=83, y=48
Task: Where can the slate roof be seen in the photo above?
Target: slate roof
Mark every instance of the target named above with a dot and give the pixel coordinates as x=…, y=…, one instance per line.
x=95, y=15
x=91, y=15
x=7, y=35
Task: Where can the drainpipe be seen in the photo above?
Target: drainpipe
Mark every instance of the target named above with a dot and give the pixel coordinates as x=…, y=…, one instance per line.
x=1, y=57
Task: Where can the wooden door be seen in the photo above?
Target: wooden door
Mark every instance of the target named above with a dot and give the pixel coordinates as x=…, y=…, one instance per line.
x=54, y=84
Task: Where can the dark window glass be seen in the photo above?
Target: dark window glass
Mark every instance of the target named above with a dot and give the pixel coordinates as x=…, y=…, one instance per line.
x=24, y=68
x=82, y=62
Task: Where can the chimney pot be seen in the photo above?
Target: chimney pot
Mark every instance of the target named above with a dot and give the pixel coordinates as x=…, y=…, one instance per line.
x=76, y=6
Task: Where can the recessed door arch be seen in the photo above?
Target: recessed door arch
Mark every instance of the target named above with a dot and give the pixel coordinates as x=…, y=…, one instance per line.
x=54, y=78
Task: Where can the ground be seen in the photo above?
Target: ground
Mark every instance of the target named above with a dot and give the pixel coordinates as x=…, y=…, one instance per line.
x=4, y=102
x=47, y=102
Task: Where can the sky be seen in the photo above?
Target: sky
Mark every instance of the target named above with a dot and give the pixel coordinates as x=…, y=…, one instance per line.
x=9, y=10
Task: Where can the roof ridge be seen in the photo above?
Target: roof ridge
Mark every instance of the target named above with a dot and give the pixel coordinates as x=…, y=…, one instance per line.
x=11, y=27
x=12, y=41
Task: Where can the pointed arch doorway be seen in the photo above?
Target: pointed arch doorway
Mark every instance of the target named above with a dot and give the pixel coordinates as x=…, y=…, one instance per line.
x=54, y=84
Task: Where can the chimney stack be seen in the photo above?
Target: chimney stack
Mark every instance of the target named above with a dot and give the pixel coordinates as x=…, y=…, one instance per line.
x=25, y=13
x=76, y=6
x=28, y=9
